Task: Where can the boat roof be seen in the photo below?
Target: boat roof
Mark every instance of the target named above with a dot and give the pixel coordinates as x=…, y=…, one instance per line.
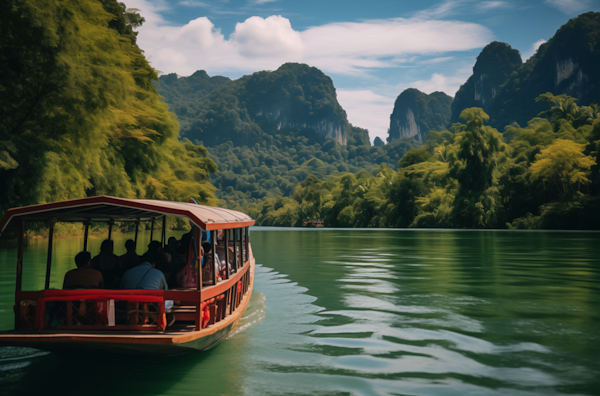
x=105, y=208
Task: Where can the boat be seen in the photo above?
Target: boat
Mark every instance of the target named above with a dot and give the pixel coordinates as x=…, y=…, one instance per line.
x=134, y=321
x=313, y=223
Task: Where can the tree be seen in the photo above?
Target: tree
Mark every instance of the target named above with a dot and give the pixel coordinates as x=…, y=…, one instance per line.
x=474, y=165
x=562, y=165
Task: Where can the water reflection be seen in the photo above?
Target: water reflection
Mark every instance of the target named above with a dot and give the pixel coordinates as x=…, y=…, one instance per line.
x=383, y=313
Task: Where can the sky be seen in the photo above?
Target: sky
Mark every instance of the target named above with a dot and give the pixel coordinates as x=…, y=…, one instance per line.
x=372, y=49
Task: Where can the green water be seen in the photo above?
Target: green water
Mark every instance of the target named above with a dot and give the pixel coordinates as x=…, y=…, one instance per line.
x=363, y=312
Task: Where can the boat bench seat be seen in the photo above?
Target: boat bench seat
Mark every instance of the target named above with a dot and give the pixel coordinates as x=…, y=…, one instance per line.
x=184, y=313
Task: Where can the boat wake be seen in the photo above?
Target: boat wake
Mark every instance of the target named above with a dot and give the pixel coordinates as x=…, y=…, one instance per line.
x=255, y=312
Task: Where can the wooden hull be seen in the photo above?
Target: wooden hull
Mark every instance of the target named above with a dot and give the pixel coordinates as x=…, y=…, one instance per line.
x=140, y=343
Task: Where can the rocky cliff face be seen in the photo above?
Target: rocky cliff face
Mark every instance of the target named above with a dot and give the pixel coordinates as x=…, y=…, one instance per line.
x=416, y=113
x=494, y=65
x=294, y=97
x=566, y=64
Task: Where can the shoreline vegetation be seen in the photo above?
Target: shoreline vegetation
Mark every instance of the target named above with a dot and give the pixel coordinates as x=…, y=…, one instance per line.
x=542, y=176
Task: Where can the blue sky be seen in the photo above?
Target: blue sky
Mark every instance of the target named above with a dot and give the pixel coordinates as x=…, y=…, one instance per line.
x=372, y=50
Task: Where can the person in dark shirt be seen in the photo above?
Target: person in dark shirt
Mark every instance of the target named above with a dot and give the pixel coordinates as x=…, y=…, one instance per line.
x=109, y=264
x=84, y=276
x=131, y=258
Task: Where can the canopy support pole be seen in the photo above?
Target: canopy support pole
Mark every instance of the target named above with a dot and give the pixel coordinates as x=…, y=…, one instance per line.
x=226, y=238
x=49, y=259
x=110, y=225
x=151, y=230
x=20, y=231
x=215, y=255
x=137, y=227
x=247, y=242
x=163, y=236
x=85, y=235
x=235, y=250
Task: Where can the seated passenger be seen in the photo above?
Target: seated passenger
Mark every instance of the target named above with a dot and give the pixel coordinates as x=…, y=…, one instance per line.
x=84, y=276
x=131, y=258
x=108, y=263
x=145, y=276
x=162, y=260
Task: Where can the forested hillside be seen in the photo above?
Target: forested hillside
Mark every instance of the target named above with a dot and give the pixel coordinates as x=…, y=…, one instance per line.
x=545, y=175
x=79, y=115
x=247, y=110
x=270, y=130
x=566, y=64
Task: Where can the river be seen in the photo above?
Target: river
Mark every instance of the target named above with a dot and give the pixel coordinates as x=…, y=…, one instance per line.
x=363, y=312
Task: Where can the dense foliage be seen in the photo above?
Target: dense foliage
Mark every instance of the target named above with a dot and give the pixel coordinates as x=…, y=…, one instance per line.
x=276, y=165
x=545, y=175
x=79, y=113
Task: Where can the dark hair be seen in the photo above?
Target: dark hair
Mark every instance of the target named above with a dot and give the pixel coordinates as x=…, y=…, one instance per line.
x=107, y=246
x=148, y=257
x=207, y=247
x=130, y=245
x=82, y=259
x=170, y=239
x=154, y=246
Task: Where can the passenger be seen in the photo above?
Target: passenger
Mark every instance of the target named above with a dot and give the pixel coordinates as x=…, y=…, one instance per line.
x=131, y=258
x=146, y=276
x=84, y=276
x=171, y=248
x=108, y=263
x=162, y=260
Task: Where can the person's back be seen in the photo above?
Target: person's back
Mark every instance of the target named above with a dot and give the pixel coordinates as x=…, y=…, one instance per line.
x=106, y=259
x=130, y=259
x=83, y=277
x=145, y=276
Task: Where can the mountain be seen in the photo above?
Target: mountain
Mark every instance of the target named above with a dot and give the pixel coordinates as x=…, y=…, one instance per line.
x=245, y=111
x=416, y=113
x=566, y=64
x=494, y=65
x=184, y=95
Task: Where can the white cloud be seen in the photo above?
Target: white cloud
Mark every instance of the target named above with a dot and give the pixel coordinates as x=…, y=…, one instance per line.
x=257, y=43
x=570, y=6
x=534, y=47
x=367, y=109
x=490, y=5
x=271, y=37
x=439, y=82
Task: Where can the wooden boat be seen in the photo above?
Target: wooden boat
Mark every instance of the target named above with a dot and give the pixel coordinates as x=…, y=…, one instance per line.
x=134, y=321
x=313, y=223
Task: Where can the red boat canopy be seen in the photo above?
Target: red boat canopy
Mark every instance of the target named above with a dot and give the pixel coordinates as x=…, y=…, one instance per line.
x=104, y=208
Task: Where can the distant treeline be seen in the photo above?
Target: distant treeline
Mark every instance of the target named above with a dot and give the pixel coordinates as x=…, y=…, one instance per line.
x=277, y=164
x=545, y=175
x=79, y=115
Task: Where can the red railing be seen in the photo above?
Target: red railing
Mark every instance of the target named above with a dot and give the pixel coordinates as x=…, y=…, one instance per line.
x=101, y=309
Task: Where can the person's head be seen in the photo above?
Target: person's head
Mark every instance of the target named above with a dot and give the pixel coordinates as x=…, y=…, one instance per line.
x=82, y=259
x=173, y=243
x=149, y=257
x=154, y=246
x=107, y=246
x=130, y=245
x=207, y=247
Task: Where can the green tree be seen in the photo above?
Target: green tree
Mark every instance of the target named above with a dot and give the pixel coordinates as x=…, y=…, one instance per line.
x=563, y=166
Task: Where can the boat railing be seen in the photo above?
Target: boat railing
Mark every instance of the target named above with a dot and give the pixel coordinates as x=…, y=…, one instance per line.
x=141, y=310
